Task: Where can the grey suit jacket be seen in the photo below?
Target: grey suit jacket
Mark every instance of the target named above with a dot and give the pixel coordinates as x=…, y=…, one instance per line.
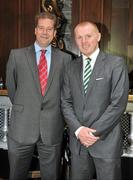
x=102, y=106
x=32, y=114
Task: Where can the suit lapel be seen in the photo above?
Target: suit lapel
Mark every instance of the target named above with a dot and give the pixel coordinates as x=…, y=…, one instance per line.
x=79, y=73
x=31, y=58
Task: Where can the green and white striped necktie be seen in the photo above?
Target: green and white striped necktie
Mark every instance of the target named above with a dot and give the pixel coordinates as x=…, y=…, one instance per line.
x=87, y=74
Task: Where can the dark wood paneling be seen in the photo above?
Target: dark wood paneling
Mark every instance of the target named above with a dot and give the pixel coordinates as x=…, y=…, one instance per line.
x=130, y=37
x=17, y=26
x=116, y=23
x=119, y=27
x=28, y=10
x=116, y=18
x=130, y=26
x=8, y=31
x=75, y=20
x=93, y=11
x=106, y=25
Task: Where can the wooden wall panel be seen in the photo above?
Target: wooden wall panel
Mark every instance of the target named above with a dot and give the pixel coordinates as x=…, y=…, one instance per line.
x=75, y=20
x=91, y=11
x=95, y=11
x=106, y=24
x=130, y=37
x=17, y=27
x=8, y=31
x=119, y=27
x=116, y=20
x=28, y=10
x=130, y=26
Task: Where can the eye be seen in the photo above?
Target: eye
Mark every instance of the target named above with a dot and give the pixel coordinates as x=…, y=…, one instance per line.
x=88, y=36
x=40, y=28
x=79, y=37
x=49, y=29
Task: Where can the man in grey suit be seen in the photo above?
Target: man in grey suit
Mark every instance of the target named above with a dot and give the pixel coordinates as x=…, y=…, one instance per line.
x=36, y=119
x=93, y=114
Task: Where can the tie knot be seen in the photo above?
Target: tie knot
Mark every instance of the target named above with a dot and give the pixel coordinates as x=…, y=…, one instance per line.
x=43, y=51
x=88, y=59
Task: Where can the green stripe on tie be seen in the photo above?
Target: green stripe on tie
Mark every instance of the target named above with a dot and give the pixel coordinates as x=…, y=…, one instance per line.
x=87, y=74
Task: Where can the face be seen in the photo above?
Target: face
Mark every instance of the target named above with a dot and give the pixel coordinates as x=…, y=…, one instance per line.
x=87, y=38
x=45, y=32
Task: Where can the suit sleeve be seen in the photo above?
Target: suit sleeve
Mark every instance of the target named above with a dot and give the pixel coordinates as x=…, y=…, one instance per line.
x=118, y=100
x=11, y=76
x=67, y=103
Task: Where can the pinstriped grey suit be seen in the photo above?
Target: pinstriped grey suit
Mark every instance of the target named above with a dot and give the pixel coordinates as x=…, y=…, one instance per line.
x=101, y=108
x=34, y=116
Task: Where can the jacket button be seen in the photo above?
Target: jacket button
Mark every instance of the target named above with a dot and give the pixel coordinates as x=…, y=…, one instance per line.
x=42, y=107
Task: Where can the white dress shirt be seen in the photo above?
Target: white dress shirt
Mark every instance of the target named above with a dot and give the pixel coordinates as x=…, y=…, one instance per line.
x=93, y=58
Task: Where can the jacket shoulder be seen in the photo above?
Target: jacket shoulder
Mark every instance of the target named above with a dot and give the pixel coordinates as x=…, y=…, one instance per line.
x=17, y=50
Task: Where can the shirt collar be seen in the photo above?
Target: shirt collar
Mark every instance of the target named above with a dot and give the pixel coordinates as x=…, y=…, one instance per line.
x=93, y=58
x=38, y=48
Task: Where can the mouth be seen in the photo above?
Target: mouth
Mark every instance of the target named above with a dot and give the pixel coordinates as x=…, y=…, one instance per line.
x=44, y=37
x=85, y=47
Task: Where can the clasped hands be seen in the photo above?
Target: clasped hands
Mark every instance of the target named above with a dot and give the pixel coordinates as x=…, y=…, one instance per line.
x=86, y=136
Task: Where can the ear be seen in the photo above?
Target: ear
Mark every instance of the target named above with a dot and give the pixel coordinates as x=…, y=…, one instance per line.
x=99, y=37
x=35, y=31
x=55, y=31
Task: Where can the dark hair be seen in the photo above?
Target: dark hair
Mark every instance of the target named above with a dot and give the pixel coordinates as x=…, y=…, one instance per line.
x=46, y=15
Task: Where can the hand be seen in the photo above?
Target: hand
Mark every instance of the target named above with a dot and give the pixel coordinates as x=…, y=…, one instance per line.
x=86, y=136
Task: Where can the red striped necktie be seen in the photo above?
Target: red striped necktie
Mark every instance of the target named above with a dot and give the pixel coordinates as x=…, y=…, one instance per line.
x=43, y=71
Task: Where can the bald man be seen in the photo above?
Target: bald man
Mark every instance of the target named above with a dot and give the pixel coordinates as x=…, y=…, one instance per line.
x=93, y=110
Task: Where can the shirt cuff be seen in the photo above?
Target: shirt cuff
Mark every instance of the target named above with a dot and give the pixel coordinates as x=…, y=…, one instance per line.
x=77, y=131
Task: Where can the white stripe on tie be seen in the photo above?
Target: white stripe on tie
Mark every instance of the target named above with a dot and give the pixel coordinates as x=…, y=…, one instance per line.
x=87, y=74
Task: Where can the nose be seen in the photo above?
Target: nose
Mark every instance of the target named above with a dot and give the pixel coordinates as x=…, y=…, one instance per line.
x=44, y=31
x=84, y=40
